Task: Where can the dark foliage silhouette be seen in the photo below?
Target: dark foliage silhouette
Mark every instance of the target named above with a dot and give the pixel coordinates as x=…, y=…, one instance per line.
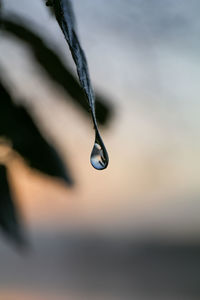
x=8, y=215
x=51, y=63
x=27, y=140
x=16, y=123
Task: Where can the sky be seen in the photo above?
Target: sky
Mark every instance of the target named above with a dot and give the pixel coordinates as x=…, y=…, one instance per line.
x=143, y=55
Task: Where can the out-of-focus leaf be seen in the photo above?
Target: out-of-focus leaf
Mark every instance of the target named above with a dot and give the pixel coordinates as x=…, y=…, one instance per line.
x=9, y=222
x=54, y=67
x=65, y=17
x=17, y=126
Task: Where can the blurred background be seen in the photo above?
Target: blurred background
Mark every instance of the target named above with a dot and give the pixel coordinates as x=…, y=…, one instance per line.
x=131, y=231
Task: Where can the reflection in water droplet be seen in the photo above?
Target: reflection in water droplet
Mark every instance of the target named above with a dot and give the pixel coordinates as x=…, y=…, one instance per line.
x=99, y=157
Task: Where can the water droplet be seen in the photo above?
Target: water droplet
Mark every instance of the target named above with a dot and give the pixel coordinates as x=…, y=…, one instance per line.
x=99, y=156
